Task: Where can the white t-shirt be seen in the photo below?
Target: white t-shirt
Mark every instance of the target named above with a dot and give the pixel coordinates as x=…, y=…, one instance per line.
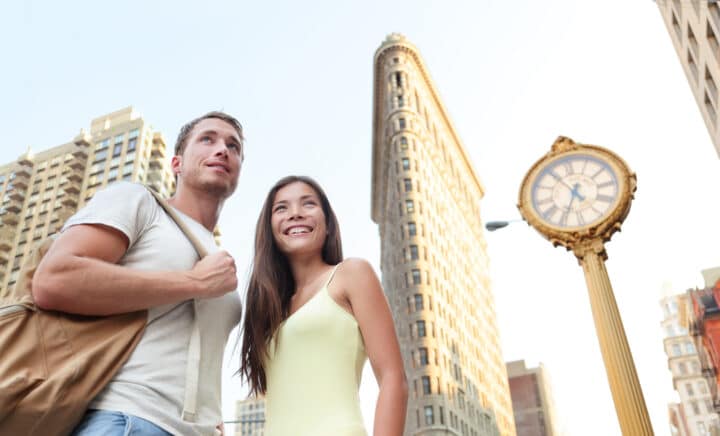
x=151, y=385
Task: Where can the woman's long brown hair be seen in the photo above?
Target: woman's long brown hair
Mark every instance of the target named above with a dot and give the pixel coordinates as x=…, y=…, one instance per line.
x=272, y=284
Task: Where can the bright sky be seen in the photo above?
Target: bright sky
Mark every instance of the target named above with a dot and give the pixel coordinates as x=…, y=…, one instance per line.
x=513, y=75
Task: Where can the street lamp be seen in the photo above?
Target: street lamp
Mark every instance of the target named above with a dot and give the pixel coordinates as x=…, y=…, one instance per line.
x=491, y=226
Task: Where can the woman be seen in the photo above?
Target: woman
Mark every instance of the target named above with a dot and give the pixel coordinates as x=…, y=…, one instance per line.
x=310, y=321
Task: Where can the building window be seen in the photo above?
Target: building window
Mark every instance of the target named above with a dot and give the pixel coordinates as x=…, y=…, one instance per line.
x=128, y=168
x=102, y=144
x=412, y=229
x=712, y=40
x=416, y=276
x=429, y=418
x=132, y=143
x=689, y=389
x=710, y=84
x=693, y=66
x=676, y=350
x=398, y=79
x=117, y=150
x=702, y=430
x=403, y=143
x=133, y=133
x=424, y=358
x=426, y=385
x=676, y=26
x=692, y=41
x=414, y=252
x=714, y=11
x=710, y=108
x=100, y=155
x=400, y=101
x=420, y=324
x=409, y=206
x=441, y=415
x=418, y=302
x=695, y=407
x=401, y=123
x=702, y=387
x=405, y=163
x=408, y=185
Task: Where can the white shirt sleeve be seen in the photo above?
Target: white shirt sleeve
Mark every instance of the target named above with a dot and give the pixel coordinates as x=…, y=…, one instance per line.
x=127, y=207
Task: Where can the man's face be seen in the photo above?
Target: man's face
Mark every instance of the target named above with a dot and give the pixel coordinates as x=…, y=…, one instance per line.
x=212, y=158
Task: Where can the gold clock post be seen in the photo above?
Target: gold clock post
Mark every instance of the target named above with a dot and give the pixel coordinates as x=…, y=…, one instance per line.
x=577, y=196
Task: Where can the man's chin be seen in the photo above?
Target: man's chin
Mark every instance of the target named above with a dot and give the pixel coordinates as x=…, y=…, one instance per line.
x=221, y=190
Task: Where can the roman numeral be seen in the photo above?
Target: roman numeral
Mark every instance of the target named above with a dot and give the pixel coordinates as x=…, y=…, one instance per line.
x=563, y=219
x=581, y=220
x=585, y=164
x=545, y=200
x=550, y=212
x=605, y=198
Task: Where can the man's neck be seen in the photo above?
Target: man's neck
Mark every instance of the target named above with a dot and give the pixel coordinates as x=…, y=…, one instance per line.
x=203, y=207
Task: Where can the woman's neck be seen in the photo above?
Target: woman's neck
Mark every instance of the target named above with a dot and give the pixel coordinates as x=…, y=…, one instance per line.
x=305, y=270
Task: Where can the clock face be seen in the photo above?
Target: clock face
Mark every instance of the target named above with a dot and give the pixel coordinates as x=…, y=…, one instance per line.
x=575, y=190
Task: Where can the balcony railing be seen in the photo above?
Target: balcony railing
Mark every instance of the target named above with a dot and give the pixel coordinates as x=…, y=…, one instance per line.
x=77, y=163
x=72, y=187
x=21, y=181
x=10, y=218
x=75, y=174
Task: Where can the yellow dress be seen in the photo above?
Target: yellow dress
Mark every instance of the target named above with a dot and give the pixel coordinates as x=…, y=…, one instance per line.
x=313, y=372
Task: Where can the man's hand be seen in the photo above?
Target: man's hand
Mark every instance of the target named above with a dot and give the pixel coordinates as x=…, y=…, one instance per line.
x=216, y=274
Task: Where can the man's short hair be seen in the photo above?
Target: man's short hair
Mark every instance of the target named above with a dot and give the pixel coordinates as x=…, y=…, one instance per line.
x=190, y=125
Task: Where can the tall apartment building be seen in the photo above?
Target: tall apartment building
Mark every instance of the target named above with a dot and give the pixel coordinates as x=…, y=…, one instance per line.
x=694, y=27
x=250, y=415
x=533, y=405
x=426, y=202
x=39, y=191
x=694, y=414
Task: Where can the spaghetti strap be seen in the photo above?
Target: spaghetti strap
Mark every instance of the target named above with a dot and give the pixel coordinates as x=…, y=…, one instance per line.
x=332, y=274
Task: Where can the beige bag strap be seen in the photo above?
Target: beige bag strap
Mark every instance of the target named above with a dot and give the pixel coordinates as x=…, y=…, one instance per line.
x=202, y=252
x=192, y=370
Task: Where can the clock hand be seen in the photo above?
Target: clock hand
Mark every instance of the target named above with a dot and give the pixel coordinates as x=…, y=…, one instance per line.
x=566, y=184
x=575, y=192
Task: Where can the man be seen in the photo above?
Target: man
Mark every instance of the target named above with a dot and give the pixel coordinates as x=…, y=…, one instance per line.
x=123, y=253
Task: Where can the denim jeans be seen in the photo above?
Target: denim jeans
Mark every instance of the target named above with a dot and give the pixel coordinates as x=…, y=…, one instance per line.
x=109, y=423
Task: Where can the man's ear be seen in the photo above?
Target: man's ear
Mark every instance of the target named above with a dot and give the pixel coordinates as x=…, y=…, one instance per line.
x=175, y=164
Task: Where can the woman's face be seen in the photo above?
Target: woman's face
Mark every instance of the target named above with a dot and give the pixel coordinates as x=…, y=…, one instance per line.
x=297, y=220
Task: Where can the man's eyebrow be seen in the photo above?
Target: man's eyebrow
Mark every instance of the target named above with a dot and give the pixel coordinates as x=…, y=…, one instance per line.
x=214, y=132
x=207, y=131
